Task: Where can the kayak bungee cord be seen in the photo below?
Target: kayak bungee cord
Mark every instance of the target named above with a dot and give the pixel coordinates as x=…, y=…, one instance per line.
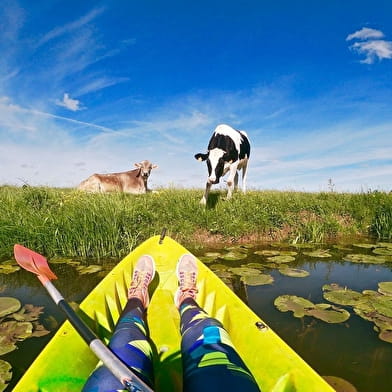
x=37, y=264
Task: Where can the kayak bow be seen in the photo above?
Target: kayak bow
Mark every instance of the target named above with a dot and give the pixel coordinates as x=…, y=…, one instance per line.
x=66, y=362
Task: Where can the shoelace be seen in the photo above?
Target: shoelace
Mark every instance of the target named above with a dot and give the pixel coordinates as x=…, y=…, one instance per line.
x=139, y=282
x=187, y=282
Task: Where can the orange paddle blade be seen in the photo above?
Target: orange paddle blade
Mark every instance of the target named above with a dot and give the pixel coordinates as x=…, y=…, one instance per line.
x=33, y=262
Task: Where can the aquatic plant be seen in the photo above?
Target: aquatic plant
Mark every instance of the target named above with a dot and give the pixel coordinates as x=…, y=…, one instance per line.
x=302, y=307
x=18, y=323
x=381, y=225
x=293, y=272
x=257, y=280
x=5, y=374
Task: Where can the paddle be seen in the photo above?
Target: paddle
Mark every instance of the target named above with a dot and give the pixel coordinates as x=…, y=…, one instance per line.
x=37, y=264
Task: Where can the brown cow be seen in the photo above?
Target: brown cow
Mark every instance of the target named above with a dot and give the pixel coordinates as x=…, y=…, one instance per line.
x=133, y=181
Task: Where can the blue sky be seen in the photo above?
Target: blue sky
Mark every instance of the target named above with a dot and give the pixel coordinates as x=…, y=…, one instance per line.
x=96, y=86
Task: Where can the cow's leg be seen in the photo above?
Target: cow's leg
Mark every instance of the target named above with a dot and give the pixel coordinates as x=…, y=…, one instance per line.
x=244, y=173
x=236, y=181
x=206, y=192
x=230, y=179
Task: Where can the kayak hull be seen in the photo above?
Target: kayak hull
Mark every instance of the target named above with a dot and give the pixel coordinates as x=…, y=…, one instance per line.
x=66, y=361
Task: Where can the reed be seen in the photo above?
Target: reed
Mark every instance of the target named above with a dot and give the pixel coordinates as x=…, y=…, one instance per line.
x=72, y=223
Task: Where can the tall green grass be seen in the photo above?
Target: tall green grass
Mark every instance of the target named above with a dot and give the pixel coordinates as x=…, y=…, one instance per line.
x=68, y=222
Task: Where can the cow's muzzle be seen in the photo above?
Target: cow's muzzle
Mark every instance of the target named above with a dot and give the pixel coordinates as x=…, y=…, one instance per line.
x=213, y=181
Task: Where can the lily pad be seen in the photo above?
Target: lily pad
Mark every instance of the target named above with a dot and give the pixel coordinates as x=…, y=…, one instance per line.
x=11, y=332
x=244, y=271
x=233, y=256
x=339, y=384
x=39, y=330
x=303, y=246
x=254, y=265
x=342, y=247
x=257, y=280
x=384, y=244
x=212, y=254
x=330, y=314
x=267, y=253
x=386, y=336
x=224, y=274
x=302, y=307
x=280, y=259
x=8, y=267
x=383, y=305
x=288, y=253
x=218, y=267
x=90, y=269
x=5, y=374
x=383, y=251
x=320, y=253
x=27, y=313
x=365, y=246
x=341, y=296
x=9, y=305
x=364, y=259
x=237, y=249
x=294, y=272
x=297, y=305
x=385, y=288
x=64, y=260
x=207, y=259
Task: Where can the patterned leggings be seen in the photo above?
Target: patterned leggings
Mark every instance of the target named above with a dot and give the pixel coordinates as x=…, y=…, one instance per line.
x=209, y=359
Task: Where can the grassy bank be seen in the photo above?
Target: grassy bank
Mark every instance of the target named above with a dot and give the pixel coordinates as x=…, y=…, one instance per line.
x=71, y=223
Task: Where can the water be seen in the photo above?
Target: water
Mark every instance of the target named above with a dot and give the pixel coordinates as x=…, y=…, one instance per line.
x=27, y=288
x=351, y=350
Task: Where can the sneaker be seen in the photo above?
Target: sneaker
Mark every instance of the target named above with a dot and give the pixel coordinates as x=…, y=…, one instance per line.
x=143, y=274
x=187, y=277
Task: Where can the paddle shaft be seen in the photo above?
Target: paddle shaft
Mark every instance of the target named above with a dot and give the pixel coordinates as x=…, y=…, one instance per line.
x=130, y=380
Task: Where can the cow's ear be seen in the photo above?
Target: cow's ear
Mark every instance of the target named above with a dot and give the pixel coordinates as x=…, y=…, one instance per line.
x=201, y=157
x=138, y=165
x=154, y=166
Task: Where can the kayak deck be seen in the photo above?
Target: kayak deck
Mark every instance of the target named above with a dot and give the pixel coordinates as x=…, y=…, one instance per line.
x=66, y=362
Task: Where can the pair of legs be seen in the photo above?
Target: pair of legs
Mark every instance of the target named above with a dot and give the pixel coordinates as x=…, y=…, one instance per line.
x=209, y=358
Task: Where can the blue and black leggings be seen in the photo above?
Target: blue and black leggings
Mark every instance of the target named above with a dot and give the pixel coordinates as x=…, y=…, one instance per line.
x=209, y=359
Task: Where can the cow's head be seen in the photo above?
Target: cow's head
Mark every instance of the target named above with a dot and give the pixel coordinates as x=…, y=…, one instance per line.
x=145, y=168
x=217, y=159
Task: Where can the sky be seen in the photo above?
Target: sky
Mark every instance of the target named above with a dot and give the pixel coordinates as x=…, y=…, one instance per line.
x=97, y=86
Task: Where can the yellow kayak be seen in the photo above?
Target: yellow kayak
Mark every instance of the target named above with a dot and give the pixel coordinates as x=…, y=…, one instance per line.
x=66, y=361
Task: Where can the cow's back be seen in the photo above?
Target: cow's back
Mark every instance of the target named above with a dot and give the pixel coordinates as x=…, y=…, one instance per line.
x=91, y=184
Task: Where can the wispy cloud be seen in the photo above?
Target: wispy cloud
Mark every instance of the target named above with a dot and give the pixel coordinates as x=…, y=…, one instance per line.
x=100, y=83
x=365, y=33
x=70, y=27
x=371, y=45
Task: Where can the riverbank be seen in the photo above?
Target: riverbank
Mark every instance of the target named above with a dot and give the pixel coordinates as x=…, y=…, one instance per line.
x=66, y=222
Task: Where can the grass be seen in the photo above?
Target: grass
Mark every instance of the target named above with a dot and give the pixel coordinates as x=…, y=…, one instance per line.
x=67, y=222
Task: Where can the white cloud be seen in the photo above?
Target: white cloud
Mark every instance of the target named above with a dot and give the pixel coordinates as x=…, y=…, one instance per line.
x=371, y=45
x=70, y=27
x=365, y=33
x=69, y=103
x=377, y=49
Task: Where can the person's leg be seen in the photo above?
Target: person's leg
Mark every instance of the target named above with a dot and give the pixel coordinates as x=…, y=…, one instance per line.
x=209, y=358
x=130, y=338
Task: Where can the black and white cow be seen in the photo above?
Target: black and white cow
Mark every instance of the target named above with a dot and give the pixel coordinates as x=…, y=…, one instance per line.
x=228, y=151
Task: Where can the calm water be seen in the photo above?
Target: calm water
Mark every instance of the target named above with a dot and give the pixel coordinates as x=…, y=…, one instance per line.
x=350, y=350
